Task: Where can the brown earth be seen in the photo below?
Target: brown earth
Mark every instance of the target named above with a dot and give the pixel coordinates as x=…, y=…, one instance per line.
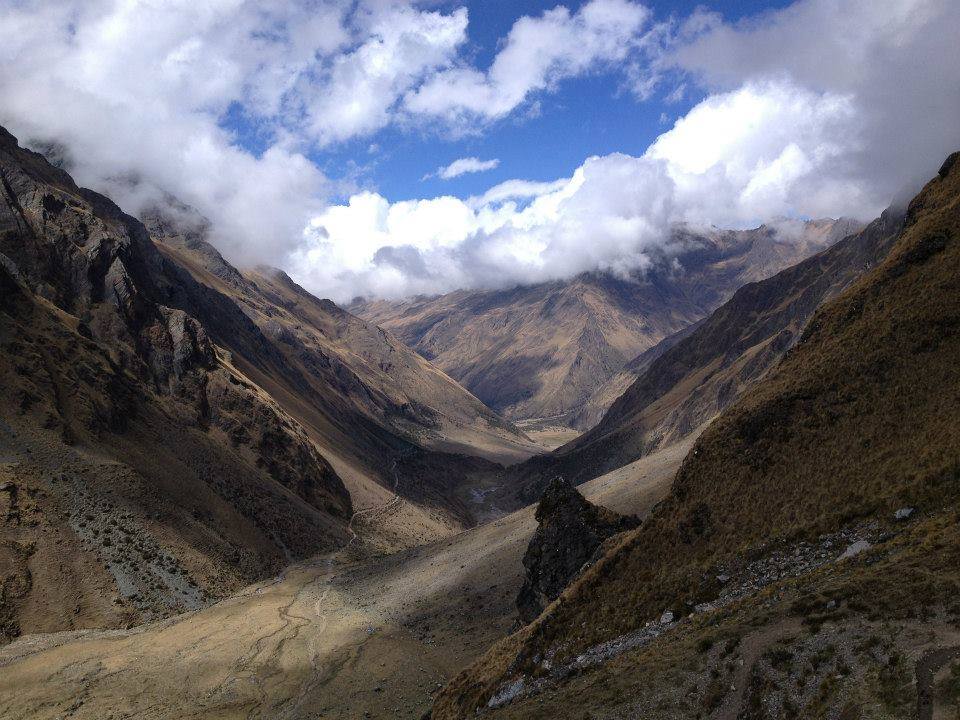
x=176, y=430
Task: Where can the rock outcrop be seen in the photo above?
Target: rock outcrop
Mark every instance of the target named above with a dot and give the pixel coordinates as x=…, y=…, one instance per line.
x=570, y=532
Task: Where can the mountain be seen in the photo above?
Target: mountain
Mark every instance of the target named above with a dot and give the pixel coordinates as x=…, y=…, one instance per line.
x=142, y=471
x=380, y=377
x=687, y=379
x=804, y=563
x=600, y=400
x=541, y=351
x=174, y=429
x=332, y=637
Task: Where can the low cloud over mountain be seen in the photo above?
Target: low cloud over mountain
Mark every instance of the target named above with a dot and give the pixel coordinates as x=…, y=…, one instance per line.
x=245, y=106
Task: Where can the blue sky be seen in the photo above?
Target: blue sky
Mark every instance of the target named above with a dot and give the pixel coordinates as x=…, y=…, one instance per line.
x=592, y=115
x=310, y=132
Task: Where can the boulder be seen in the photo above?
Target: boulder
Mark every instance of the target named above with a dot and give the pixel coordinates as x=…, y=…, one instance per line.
x=568, y=536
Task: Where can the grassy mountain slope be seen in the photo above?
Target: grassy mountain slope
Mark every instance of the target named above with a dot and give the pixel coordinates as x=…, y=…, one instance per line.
x=690, y=377
x=857, y=421
x=738, y=343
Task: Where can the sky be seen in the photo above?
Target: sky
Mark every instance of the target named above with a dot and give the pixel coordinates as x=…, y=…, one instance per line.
x=385, y=148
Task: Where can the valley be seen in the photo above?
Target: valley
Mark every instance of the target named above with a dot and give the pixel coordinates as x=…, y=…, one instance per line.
x=303, y=417
x=543, y=351
x=833, y=581
x=345, y=635
x=367, y=558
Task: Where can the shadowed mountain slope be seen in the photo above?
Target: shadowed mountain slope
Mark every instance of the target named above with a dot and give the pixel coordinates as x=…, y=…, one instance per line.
x=816, y=510
x=540, y=351
x=174, y=429
x=690, y=377
x=143, y=471
x=340, y=355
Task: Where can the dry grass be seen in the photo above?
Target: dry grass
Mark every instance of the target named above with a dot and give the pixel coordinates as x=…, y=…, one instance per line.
x=858, y=420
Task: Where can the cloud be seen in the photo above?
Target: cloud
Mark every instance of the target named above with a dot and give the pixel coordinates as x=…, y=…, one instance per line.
x=736, y=160
x=137, y=90
x=463, y=166
x=537, y=54
x=358, y=92
x=820, y=108
x=515, y=190
x=898, y=62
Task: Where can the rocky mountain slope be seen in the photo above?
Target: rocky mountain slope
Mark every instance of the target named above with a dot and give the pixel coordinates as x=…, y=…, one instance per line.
x=377, y=375
x=687, y=379
x=344, y=636
x=143, y=471
x=173, y=429
x=540, y=351
x=805, y=561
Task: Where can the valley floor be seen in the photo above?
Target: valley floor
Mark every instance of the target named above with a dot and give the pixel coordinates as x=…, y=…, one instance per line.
x=353, y=634
x=548, y=432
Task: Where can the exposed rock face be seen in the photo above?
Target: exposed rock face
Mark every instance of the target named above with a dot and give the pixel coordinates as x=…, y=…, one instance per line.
x=570, y=532
x=81, y=253
x=342, y=365
x=152, y=473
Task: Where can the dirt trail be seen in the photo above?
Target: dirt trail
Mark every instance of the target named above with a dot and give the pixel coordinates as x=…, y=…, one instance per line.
x=751, y=648
x=927, y=668
x=336, y=637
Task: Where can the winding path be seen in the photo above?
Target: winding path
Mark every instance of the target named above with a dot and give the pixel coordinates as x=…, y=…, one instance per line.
x=927, y=668
x=332, y=638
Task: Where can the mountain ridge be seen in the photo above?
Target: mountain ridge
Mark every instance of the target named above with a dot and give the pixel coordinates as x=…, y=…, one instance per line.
x=541, y=351
x=178, y=430
x=850, y=528
x=684, y=382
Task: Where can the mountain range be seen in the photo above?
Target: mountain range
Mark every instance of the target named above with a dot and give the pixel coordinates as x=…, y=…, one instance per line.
x=178, y=428
x=804, y=561
x=243, y=500
x=686, y=380
x=542, y=351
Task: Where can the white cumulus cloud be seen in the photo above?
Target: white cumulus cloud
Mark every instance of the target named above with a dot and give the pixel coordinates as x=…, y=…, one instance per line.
x=537, y=54
x=464, y=166
x=820, y=108
x=897, y=61
x=736, y=159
